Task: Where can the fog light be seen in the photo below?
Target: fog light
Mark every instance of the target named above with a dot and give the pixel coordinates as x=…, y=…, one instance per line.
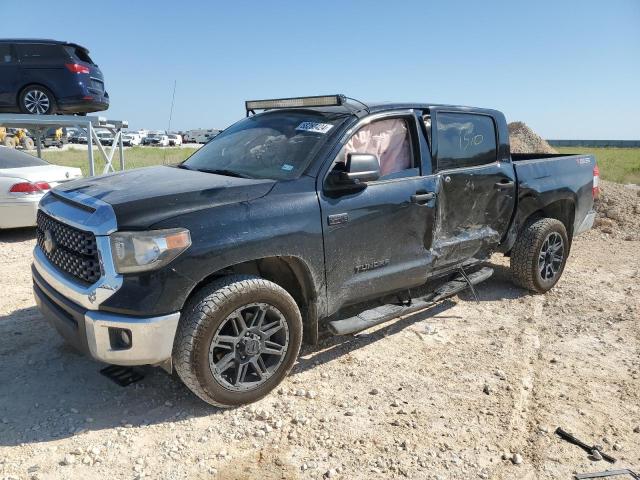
x=120, y=338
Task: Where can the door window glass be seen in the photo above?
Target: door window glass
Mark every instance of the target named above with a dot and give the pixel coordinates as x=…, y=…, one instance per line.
x=389, y=140
x=465, y=140
x=30, y=53
x=5, y=53
x=426, y=119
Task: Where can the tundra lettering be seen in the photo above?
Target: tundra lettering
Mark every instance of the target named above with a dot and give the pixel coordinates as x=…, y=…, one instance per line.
x=370, y=266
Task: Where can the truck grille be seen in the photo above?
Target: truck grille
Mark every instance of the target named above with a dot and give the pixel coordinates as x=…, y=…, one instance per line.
x=73, y=251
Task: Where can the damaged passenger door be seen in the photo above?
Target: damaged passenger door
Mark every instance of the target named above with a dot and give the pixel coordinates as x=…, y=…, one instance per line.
x=477, y=186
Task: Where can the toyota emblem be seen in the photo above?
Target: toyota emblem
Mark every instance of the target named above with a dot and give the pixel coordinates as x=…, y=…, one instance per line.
x=49, y=242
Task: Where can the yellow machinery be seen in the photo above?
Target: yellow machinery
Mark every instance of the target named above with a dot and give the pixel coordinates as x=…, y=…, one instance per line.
x=17, y=137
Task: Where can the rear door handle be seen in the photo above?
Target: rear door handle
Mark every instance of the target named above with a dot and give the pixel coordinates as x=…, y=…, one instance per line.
x=421, y=198
x=504, y=185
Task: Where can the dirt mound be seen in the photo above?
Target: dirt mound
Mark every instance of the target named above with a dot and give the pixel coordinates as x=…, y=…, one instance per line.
x=618, y=210
x=525, y=140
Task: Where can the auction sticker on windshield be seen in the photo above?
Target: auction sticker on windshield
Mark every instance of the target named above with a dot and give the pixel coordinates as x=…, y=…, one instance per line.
x=314, y=127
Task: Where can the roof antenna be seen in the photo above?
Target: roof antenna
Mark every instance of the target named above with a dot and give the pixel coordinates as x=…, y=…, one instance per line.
x=173, y=99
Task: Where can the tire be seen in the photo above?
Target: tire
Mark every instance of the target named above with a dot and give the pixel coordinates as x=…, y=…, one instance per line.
x=539, y=255
x=28, y=143
x=37, y=100
x=214, y=313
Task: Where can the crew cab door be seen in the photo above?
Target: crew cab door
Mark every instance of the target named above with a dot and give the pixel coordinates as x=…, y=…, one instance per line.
x=476, y=185
x=377, y=240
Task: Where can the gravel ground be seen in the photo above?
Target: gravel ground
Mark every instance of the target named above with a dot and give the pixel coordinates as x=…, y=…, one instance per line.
x=463, y=390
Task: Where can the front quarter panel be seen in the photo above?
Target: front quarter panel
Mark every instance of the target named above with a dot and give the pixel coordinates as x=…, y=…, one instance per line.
x=286, y=222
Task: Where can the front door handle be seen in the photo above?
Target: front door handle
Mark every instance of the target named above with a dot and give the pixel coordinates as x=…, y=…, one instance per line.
x=504, y=185
x=421, y=198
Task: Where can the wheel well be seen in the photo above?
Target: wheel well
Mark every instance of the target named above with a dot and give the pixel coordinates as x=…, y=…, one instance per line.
x=562, y=210
x=291, y=273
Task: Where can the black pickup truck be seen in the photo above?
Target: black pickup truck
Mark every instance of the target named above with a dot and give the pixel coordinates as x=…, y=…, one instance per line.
x=220, y=267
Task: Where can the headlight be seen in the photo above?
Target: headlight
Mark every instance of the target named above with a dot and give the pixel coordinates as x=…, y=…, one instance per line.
x=141, y=251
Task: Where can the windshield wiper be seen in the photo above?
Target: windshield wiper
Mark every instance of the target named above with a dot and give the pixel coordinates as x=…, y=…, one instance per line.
x=222, y=171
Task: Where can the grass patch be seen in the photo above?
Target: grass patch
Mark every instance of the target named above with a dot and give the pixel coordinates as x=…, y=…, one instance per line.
x=134, y=157
x=620, y=165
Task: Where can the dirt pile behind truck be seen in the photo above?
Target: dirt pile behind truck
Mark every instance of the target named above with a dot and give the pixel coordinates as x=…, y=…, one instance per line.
x=618, y=206
x=618, y=210
x=525, y=140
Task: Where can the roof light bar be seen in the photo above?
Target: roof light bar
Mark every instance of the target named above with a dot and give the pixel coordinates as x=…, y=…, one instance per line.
x=318, y=101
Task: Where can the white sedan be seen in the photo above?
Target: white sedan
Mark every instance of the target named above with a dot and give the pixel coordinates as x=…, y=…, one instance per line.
x=24, y=179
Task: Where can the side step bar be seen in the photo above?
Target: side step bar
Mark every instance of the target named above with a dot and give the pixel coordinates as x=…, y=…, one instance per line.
x=384, y=313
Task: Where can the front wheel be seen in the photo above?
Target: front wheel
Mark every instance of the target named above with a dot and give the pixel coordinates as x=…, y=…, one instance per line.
x=539, y=255
x=238, y=338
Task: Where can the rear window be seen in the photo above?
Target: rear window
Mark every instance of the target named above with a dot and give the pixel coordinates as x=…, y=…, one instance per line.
x=40, y=53
x=11, y=158
x=465, y=140
x=80, y=53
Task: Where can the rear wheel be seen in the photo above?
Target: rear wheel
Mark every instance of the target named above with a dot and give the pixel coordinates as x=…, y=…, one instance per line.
x=37, y=100
x=237, y=340
x=539, y=255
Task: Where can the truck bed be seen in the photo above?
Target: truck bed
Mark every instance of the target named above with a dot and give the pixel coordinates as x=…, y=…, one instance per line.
x=546, y=178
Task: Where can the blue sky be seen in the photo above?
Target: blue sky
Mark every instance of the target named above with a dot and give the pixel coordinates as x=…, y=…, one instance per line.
x=570, y=69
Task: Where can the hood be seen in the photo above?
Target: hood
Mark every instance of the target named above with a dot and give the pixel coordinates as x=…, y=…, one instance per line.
x=145, y=196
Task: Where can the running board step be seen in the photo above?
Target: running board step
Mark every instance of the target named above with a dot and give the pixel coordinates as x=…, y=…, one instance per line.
x=121, y=375
x=384, y=313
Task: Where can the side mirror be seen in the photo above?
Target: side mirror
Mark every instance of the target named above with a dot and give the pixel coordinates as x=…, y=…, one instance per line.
x=360, y=169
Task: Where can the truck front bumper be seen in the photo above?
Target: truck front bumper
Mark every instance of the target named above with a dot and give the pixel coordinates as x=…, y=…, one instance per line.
x=109, y=338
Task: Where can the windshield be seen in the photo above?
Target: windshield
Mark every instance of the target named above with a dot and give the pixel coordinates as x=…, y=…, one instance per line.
x=277, y=145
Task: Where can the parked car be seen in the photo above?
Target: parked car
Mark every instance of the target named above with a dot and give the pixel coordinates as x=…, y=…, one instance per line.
x=75, y=134
x=201, y=135
x=131, y=139
x=24, y=179
x=175, y=140
x=72, y=134
x=106, y=138
x=55, y=137
x=219, y=267
x=80, y=138
x=47, y=76
x=156, y=139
